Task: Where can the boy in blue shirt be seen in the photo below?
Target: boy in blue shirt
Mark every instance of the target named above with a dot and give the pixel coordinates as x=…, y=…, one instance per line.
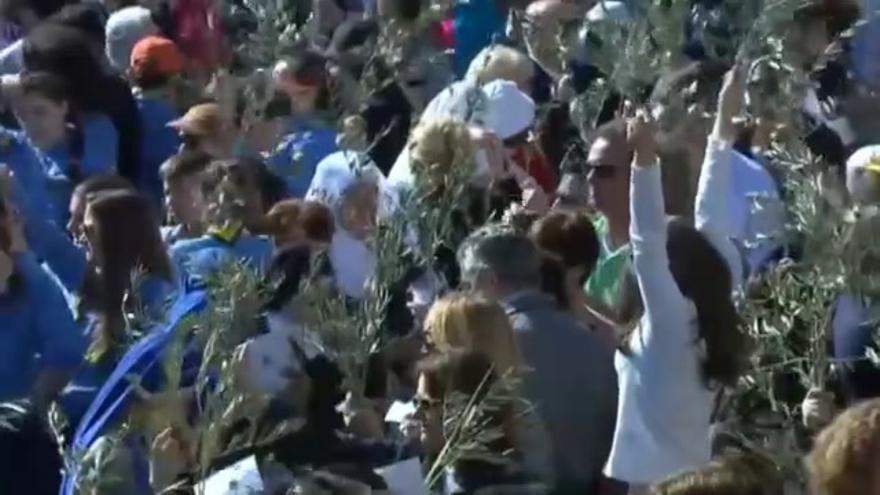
x=233, y=192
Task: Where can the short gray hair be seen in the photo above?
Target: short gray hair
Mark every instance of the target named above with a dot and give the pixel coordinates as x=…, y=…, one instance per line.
x=512, y=257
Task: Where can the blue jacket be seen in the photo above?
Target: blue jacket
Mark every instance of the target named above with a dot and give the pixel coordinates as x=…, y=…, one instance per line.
x=476, y=23
x=46, y=238
x=99, y=156
x=158, y=143
x=34, y=321
x=193, y=259
x=297, y=157
x=81, y=390
x=142, y=360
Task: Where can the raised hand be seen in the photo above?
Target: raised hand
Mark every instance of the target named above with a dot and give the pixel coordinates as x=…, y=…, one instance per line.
x=641, y=133
x=731, y=99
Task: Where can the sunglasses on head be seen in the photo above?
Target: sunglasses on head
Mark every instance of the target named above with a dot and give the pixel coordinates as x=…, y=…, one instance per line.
x=601, y=170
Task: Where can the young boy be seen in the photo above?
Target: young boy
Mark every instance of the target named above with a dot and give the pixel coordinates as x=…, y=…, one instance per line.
x=184, y=202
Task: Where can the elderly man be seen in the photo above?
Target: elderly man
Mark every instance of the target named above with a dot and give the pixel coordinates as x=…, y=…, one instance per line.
x=572, y=380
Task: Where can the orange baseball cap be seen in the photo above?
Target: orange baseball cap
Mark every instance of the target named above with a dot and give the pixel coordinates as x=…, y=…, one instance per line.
x=156, y=56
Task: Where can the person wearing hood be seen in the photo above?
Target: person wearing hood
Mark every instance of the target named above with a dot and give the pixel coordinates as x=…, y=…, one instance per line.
x=510, y=116
x=124, y=29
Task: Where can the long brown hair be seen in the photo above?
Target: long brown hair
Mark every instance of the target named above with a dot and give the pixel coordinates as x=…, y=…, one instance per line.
x=703, y=277
x=125, y=237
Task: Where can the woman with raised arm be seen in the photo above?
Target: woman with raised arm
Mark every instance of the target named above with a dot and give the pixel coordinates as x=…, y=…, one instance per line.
x=687, y=344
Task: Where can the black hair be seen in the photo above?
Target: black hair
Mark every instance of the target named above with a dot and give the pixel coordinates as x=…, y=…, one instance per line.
x=86, y=17
x=43, y=8
x=28, y=451
x=53, y=87
x=149, y=82
x=289, y=269
x=185, y=164
x=66, y=52
x=408, y=10
x=70, y=54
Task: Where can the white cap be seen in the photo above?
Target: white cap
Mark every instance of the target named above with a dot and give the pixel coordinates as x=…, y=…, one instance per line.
x=509, y=111
x=609, y=10
x=124, y=29
x=863, y=174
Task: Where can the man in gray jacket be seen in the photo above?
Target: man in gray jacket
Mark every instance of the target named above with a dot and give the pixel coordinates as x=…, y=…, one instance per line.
x=571, y=380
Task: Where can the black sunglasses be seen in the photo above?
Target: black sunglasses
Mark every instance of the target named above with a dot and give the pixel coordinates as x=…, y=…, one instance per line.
x=190, y=141
x=425, y=403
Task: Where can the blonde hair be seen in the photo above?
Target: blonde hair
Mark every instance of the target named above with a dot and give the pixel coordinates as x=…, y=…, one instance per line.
x=738, y=474
x=844, y=458
x=439, y=147
x=470, y=322
x=502, y=62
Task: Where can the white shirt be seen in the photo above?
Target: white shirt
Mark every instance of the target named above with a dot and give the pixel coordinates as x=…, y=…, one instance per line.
x=270, y=361
x=664, y=407
x=756, y=213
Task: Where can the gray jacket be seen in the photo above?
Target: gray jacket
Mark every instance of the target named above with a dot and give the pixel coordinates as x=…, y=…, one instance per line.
x=571, y=382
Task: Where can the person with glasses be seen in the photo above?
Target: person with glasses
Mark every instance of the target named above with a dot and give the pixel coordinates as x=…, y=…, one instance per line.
x=608, y=171
x=470, y=374
x=467, y=322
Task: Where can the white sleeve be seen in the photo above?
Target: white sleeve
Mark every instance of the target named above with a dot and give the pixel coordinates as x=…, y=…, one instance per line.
x=662, y=299
x=711, y=216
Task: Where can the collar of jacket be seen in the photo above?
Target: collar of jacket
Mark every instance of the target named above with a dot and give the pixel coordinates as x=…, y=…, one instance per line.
x=527, y=300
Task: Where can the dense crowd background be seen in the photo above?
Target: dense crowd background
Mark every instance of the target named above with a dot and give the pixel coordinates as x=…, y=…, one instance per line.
x=464, y=247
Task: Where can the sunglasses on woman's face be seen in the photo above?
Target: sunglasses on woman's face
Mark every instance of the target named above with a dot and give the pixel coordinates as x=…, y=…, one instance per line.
x=190, y=141
x=601, y=171
x=423, y=403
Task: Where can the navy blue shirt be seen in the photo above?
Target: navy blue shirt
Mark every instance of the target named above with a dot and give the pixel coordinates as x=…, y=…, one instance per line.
x=158, y=142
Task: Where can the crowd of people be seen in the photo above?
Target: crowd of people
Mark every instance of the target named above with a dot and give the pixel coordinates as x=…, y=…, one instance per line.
x=571, y=288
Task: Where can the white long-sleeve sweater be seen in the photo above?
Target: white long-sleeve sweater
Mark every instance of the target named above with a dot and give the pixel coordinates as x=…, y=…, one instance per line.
x=664, y=407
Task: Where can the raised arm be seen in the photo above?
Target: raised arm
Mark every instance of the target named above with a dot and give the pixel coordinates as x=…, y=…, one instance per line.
x=648, y=230
x=711, y=215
